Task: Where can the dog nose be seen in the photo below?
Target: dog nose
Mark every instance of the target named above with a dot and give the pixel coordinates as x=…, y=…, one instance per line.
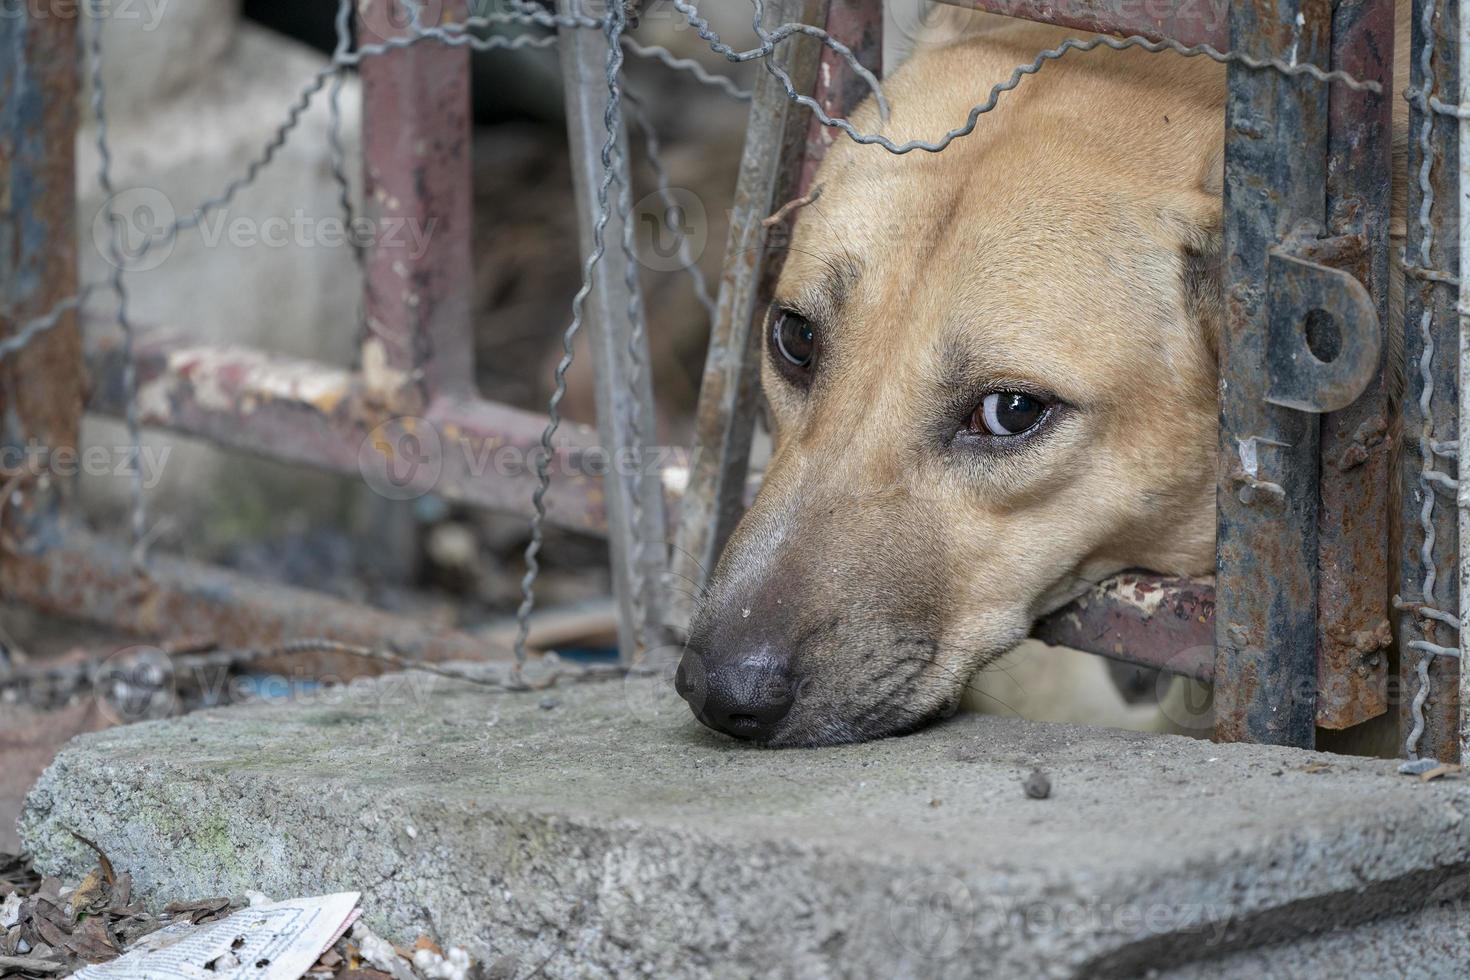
x=746, y=697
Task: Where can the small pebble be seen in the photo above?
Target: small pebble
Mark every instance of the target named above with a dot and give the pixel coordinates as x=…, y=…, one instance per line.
x=548, y=703
x=1037, y=785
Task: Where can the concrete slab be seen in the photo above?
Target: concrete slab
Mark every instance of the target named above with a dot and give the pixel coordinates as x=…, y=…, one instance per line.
x=603, y=831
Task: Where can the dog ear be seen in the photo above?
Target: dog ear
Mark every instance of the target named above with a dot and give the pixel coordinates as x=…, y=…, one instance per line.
x=1199, y=226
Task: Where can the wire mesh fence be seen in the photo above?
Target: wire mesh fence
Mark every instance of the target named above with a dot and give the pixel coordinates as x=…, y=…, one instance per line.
x=596, y=39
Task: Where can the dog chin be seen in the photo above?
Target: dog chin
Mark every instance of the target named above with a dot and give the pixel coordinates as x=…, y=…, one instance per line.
x=823, y=731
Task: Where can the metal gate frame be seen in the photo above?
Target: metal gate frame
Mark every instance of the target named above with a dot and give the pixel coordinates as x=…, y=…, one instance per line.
x=1293, y=632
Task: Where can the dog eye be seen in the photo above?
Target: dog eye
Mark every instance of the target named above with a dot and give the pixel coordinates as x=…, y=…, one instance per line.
x=794, y=340
x=1007, y=413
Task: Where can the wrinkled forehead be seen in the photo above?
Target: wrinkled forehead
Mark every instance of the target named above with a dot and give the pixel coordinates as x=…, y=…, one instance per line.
x=1017, y=274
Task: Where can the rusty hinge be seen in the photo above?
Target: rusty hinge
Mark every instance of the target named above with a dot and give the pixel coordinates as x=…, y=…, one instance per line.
x=1323, y=340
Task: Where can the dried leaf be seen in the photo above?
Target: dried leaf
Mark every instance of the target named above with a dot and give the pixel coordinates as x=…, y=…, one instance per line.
x=107, y=871
x=1446, y=769
x=88, y=893
x=92, y=943
x=424, y=942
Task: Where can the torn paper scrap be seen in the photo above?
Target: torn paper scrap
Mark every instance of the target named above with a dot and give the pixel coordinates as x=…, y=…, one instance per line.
x=279, y=941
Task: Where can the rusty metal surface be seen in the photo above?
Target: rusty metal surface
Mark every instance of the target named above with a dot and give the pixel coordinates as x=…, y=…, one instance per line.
x=1147, y=620
x=82, y=577
x=1440, y=738
x=417, y=188
x=1352, y=545
x=41, y=386
x=465, y=449
x=1266, y=545
x=729, y=392
x=1189, y=21
x=838, y=89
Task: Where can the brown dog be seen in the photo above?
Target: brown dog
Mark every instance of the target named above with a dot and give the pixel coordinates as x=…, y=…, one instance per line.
x=992, y=374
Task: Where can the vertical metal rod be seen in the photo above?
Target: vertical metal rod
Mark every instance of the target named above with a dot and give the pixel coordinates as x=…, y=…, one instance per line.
x=729, y=393
x=624, y=393
x=1266, y=580
x=1463, y=490
x=418, y=198
x=782, y=152
x=859, y=23
x=1430, y=712
x=41, y=385
x=1352, y=552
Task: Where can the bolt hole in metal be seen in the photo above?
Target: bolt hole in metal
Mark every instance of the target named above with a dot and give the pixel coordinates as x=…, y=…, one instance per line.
x=1324, y=336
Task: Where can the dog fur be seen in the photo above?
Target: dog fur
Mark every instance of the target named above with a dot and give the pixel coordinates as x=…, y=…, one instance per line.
x=1070, y=248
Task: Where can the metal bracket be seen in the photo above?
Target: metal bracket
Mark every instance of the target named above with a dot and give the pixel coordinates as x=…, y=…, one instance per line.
x=1313, y=306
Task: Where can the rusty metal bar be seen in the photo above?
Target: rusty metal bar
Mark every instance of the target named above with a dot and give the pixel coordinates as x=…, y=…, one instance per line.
x=617, y=342
x=464, y=449
x=1189, y=21
x=41, y=385
x=1266, y=580
x=419, y=201
x=80, y=576
x=1353, y=633
x=1431, y=328
x=729, y=393
x=838, y=89
x=1167, y=623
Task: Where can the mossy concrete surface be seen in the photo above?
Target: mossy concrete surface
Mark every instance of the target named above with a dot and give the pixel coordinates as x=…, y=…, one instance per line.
x=597, y=830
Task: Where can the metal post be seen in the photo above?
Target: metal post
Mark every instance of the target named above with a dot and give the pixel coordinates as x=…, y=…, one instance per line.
x=617, y=341
x=417, y=188
x=41, y=384
x=1462, y=495
x=1266, y=581
x=729, y=393
x=782, y=152
x=1430, y=703
x=1353, y=623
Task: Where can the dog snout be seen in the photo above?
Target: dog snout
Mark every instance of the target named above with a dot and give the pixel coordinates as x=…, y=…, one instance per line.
x=746, y=696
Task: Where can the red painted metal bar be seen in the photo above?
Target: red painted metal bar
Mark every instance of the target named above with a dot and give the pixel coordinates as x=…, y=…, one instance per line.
x=462, y=448
x=41, y=385
x=418, y=197
x=859, y=25
x=1188, y=21
x=1168, y=623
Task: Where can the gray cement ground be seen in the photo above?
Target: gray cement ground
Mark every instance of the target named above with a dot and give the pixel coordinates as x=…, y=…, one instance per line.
x=603, y=832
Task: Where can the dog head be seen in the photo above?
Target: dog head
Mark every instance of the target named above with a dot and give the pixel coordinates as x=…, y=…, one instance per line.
x=991, y=375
